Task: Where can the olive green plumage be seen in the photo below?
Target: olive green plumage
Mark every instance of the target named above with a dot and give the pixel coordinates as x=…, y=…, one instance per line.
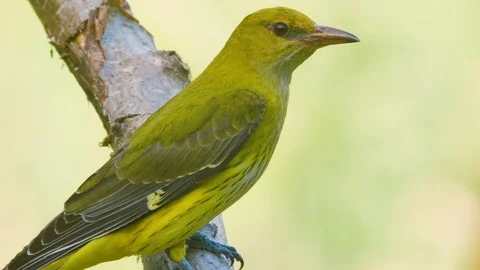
x=192, y=158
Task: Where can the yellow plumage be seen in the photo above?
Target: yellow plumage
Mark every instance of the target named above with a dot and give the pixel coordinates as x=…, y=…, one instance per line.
x=191, y=159
x=168, y=225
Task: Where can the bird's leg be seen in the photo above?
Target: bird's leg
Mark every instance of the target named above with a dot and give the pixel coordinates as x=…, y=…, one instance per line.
x=200, y=241
x=177, y=255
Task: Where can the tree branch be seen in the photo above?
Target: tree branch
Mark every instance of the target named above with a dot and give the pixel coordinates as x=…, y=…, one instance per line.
x=115, y=61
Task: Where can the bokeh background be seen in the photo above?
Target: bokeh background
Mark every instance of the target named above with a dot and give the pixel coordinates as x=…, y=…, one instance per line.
x=378, y=166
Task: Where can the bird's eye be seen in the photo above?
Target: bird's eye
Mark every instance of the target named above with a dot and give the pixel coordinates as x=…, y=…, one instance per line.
x=280, y=29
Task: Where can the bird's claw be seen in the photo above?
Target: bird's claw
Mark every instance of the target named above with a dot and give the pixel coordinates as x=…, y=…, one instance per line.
x=231, y=254
x=201, y=241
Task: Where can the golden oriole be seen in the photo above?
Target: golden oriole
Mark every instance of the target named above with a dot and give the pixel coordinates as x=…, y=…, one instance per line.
x=193, y=158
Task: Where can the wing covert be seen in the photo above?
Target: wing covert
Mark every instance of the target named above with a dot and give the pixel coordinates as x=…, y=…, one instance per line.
x=207, y=140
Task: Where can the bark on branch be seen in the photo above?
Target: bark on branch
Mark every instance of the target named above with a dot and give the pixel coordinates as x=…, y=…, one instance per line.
x=115, y=61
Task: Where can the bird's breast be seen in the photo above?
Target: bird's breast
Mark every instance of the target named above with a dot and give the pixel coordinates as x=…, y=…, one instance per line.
x=252, y=160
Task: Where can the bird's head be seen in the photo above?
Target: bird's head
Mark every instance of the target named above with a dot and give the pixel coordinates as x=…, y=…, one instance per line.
x=279, y=39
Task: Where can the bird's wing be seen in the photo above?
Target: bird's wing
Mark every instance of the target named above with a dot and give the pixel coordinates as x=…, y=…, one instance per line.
x=175, y=150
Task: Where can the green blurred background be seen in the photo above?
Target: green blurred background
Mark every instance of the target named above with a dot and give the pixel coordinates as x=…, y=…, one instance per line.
x=378, y=166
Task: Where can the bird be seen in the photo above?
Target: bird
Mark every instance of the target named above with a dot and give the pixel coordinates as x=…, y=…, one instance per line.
x=192, y=159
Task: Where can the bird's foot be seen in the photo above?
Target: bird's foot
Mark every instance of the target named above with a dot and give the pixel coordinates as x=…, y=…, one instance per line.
x=200, y=241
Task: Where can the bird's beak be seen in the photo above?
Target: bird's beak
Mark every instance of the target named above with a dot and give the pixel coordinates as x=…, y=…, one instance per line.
x=324, y=35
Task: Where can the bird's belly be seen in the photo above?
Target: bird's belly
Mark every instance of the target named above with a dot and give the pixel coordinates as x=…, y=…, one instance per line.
x=165, y=227
x=178, y=220
x=173, y=223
